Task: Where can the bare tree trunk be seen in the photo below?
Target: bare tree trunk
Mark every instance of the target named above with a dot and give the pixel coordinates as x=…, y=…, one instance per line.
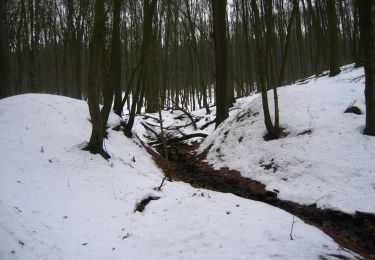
x=33, y=7
x=149, y=7
x=135, y=97
x=355, y=52
x=318, y=38
x=93, y=89
x=262, y=70
x=115, y=67
x=300, y=38
x=333, y=30
x=117, y=86
x=219, y=14
x=4, y=51
x=366, y=26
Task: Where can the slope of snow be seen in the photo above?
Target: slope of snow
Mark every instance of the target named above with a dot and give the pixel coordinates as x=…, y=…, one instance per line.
x=333, y=165
x=59, y=202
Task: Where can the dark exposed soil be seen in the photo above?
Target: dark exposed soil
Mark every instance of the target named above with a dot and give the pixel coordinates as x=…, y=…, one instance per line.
x=353, y=109
x=140, y=207
x=355, y=232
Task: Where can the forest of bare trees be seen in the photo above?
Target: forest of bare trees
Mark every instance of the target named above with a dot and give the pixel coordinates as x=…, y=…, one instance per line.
x=135, y=53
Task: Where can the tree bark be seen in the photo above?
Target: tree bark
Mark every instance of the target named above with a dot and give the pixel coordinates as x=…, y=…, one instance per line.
x=93, y=89
x=4, y=51
x=262, y=70
x=34, y=34
x=366, y=26
x=115, y=66
x=117, y=85
x=149, y=8
x=333, y=31
x=219, y=20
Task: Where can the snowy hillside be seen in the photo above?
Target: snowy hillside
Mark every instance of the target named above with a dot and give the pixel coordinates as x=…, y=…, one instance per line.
x=324, y=159
x=59, y=202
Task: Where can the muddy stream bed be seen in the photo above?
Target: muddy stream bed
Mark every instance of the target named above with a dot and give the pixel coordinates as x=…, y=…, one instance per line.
x=355, y=232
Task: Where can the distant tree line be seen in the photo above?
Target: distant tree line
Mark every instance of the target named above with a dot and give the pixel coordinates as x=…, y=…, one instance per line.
x=47, y=43
x=137, y=53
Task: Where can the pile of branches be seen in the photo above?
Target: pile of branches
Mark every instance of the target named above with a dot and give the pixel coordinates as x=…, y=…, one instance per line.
x=173, y=133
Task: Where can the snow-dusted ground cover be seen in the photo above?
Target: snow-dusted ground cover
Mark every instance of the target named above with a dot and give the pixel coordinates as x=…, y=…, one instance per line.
x=333, y=165
x=177, y=124
x=59, y=202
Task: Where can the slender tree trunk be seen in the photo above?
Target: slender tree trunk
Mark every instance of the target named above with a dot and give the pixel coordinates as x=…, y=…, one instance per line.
x=32, y=52
x=117, y=83
x=270, y=46
x=318, y=38
x=300, y=39
x=286, y=46
x=55, y=52
x=93, y=89
x=77, y=61
x=115, y=66
x=262, y=71
x=333, y=31
x=248, y=56
x=356, y=52
x=366, y=26
x=219, y=14
x=135, y=97
x=4, y=51
x=149, y=7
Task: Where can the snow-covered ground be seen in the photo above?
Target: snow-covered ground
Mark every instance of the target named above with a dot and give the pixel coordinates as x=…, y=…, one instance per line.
x=59, y=202
x=333, y=165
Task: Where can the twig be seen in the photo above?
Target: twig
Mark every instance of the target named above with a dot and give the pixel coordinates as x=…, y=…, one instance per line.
x=188, y=115
x=185, y=111
x=168, y=173
x=178, y=127
x=315, y=204
x=152, y=124
x=152, y=117
x=161, y=184
x=233, y=108
x=291, y=231
x=356, y=79
x=179, y=139
x=311, y=117
x=207, y=124
x=351, y=104
x=150, y=129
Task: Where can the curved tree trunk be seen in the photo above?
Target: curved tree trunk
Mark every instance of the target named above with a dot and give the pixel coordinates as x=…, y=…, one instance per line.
x=262, y=70
x=149, y=8
x=93, y=89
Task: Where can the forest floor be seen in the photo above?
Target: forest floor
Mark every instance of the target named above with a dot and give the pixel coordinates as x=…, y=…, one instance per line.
x=320, y=171
x=60, y=202
x=324, y=158
x=355, y=232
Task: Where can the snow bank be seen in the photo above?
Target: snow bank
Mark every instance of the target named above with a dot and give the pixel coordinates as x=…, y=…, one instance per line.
x=59, y=202
x=331, y=164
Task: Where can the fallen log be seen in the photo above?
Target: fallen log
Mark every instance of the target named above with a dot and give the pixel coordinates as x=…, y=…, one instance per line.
x=175, y=107
x=207, y=124
x=150, y=129
x=152, y=117
x=179, y=139
x=178, y=127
